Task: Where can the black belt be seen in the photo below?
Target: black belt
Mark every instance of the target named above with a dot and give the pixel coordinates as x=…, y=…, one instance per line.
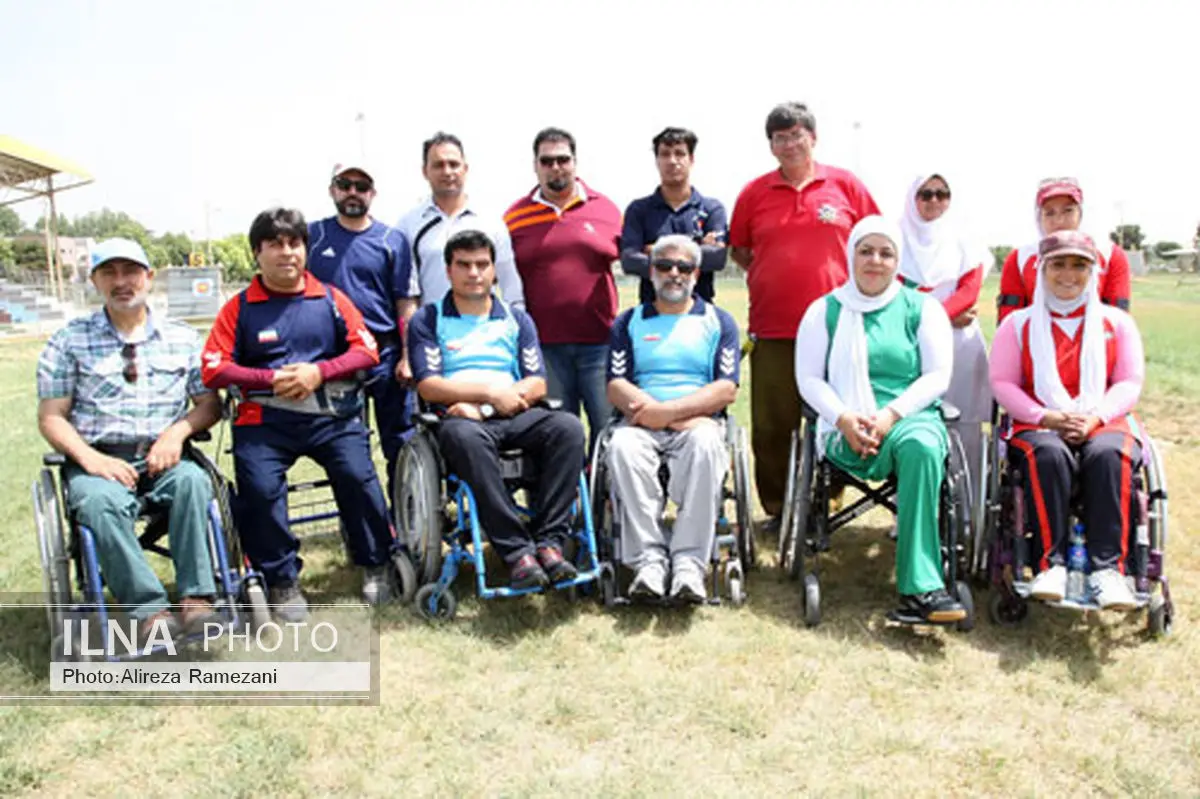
x=125, y=450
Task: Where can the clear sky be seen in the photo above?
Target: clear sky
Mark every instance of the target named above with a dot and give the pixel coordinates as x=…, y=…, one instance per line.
x=243, y=104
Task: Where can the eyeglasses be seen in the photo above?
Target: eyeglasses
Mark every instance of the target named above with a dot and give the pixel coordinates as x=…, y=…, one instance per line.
x=554, y=160
x=684, y=267
x=784, y=139
x=129, y=370
x=928, y=195
x=360, y=186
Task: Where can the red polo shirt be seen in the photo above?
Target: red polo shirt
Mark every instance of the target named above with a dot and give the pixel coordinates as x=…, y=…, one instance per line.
x=565, y=260
x=799, y=242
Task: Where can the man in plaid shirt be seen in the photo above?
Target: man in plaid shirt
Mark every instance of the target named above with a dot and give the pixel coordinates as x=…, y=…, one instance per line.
x=113, y=392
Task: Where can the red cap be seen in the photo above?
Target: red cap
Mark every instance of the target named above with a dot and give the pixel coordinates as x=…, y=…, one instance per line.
x=1068, y=242
x=1059, y=187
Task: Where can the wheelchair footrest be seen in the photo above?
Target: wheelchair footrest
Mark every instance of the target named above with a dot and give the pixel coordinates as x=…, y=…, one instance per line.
x=898, y=616
x=1022, y=589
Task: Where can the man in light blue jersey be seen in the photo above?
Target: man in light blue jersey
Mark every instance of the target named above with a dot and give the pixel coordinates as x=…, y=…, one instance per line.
x=371, y=263
x=478, y=362
x=672, y=371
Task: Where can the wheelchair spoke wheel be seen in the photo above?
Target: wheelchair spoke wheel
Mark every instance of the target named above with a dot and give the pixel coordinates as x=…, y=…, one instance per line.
x=419, y=507
x=52, y=546
x=802, y=509
x=786, y=528
x=744, y=499
x=1007, y=611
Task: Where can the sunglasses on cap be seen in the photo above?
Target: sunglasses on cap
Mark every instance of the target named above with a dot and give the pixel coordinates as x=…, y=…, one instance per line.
x=360, y=186
x=554, y=160
x=928, y=195
x=666, y=265
x=129, y=369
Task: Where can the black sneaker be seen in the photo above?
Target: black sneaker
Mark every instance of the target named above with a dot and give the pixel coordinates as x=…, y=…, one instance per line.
x=557, y=568
x=527, y=573
x=932, y=607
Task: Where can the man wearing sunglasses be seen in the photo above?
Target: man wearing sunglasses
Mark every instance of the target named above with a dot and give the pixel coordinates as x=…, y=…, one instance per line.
x=672, y=370
x=565, y=238
x=674, y=207
x=370, y=262
x=113, y=391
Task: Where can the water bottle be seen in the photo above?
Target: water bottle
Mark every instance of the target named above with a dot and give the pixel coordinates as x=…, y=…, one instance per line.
x=1077, y=566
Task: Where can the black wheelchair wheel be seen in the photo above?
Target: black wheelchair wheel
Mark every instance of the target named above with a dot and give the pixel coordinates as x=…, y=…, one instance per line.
x=963, y=594
x=802, y=506
x=406, y=577
x=812, y=600
x=744, y=499
x=786, y=528
x=434, y=604
x=419, y=506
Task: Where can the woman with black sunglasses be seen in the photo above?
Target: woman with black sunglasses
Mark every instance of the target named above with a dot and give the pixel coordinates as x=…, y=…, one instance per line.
x=938, y=260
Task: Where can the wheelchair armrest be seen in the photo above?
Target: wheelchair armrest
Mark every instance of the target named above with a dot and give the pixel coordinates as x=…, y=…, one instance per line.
x=54, y=459
x=550, y=404
x=950, y=413
x=203, y=435
x=429, y=419
x=808, y=412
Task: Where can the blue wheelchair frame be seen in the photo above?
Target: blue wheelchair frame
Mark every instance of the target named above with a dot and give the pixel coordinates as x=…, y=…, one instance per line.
x=81, y=551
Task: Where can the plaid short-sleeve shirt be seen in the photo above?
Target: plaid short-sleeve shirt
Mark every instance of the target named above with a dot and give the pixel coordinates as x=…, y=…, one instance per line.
x=84, y=361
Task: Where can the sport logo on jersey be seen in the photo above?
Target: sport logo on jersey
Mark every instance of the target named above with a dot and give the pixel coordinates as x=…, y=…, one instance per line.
x=652, y=337
x=268, y=336
x=827, y=213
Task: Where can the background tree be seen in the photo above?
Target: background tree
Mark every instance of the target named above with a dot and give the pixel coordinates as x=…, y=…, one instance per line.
x=10, y=223
x=176, y=246
x=1163, y=247
x=1128, y=237
x=1000, y=253
x=234, y=255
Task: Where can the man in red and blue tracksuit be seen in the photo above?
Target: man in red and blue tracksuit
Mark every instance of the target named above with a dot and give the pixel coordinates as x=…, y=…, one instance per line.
x=297, y=350
x=372, y=264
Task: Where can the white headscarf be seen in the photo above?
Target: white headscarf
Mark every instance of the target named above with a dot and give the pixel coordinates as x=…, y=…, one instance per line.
x=848, y=359
x=933, y=251
x=1093, y=358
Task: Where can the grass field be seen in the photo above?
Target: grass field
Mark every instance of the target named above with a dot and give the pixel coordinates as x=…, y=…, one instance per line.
x=539, y=697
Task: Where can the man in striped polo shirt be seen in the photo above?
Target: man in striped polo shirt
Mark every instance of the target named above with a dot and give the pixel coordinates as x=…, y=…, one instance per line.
x=565, y=237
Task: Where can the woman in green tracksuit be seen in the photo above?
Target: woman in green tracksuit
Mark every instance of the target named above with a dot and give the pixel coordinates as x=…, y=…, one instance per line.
x=873, y=358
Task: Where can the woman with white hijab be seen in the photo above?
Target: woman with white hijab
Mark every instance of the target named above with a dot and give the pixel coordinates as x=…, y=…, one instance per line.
x=1069, y=370
x=873, y=358
x=937, y=260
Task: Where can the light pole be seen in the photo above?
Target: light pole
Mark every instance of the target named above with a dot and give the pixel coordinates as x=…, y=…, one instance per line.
x=361, y=119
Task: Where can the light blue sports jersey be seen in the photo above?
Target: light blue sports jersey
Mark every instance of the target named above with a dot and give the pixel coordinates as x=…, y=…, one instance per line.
x=498, y=349
x=672, y=355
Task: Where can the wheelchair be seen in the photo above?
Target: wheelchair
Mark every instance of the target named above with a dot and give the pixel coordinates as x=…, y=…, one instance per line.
x=1007, y=565
x=807, y=522
x=436, y=519
x=311, y=503
x=734, y=548
x=74, y=587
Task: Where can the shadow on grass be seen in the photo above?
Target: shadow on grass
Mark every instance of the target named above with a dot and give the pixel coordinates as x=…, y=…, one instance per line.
x=25, y=636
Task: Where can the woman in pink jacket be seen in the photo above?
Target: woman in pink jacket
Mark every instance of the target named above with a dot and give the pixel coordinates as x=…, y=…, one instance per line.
x=1069, y=370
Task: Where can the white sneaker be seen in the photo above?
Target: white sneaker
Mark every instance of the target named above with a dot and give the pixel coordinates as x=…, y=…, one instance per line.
x=377, y=584
x=688, y=585
x=1050, y=585
x=1111, y=591
x=650, y=581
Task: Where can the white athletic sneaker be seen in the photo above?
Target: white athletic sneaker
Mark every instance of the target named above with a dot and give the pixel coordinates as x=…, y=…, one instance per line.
x=1050, y=585
x=649, y=582
x=377, y=584
x=1111, y=591
x=688, y=585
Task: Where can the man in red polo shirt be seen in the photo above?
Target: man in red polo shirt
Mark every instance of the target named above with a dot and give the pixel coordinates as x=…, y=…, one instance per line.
x=565, y=238
x=789, y=232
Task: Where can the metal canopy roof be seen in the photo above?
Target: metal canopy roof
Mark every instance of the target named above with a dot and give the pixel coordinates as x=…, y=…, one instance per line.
x=23, y=166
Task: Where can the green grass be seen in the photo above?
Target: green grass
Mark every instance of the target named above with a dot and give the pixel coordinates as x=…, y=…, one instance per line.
x=538, y=696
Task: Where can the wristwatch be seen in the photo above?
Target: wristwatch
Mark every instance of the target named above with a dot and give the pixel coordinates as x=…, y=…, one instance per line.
x=486, y=410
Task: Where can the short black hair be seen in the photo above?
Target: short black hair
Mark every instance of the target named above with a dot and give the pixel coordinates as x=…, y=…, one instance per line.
x=676, y=136
x=553, y=134
x=441, y=137
x=789, y=115
x=275, y=222
x=468, y=240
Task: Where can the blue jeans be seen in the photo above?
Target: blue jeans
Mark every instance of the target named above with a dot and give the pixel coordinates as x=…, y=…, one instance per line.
x=575, y=374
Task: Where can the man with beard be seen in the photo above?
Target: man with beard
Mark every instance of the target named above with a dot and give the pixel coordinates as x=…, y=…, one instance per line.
x=564, y=236
x=113, y=391
x=370, y=262
x=672, y=372
x=674, y=207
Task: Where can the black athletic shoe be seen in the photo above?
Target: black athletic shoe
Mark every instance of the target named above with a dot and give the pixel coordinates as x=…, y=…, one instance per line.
x=557, y=568
x=933, y=607
x=527, y=573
